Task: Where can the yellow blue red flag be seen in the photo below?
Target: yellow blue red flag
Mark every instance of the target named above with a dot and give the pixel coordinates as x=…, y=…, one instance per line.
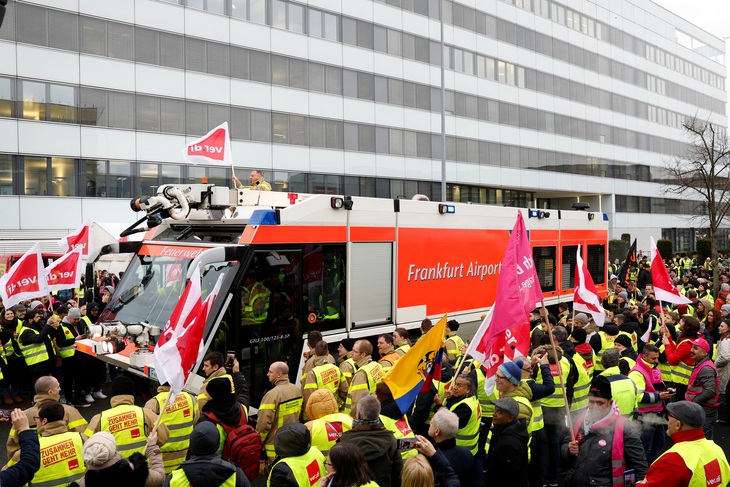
x=418, y=367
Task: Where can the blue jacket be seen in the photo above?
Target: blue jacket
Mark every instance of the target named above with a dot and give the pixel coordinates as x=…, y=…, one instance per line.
x=30, y=461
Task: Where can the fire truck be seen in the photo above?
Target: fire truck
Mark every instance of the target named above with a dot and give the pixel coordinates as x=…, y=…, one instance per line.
x=347, y=266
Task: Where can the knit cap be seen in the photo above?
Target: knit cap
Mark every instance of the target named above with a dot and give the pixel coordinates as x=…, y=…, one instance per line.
x=205, y=439
x=512, y=371
x=581, y=318
x=99, y=449
x=579, y=335
x=624, y=340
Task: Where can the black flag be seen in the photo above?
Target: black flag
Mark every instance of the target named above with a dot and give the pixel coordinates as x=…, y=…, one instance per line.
x=625, y=271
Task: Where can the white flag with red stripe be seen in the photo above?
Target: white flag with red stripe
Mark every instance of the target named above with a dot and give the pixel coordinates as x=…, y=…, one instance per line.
x=585, y=295
x=25, y=280
x=664, y=288
x=82, y=238
x=212, y=148
x=181, y=343
x=65, y=273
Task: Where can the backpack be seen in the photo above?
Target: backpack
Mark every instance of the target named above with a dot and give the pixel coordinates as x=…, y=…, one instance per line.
x=242, y=446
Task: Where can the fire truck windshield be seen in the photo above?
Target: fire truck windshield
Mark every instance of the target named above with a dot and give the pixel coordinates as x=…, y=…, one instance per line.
x=152, y=286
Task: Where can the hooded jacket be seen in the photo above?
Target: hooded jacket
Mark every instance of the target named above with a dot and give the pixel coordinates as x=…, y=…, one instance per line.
x=608, y=329
x=507, y=457
x=522, y=390
x=204, y=468
x=292, y=440
x=380, y=450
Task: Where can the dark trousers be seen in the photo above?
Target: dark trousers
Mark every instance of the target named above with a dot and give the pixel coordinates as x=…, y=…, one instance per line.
x=74, y=378
x=653, y=434
x=555, y=432
x=538, y=453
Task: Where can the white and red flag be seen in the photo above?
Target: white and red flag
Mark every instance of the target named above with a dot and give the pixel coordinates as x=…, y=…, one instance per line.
x=505, y=332
x=664, y=288
x=25, y=280
x=212, y=148
x=180, y=345
x=82, y=238
x=585, y=296
x=65, y=273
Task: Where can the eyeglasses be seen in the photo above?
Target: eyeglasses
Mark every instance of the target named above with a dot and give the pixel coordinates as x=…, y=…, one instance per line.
x=36, y=417
x=499, y=377
x=327, y=463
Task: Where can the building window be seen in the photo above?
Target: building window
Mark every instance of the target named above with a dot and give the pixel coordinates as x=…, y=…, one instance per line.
x=35, y=172
x=6, y=174
x=63, y=176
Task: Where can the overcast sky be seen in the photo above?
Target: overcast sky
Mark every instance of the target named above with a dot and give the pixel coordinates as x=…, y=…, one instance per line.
x=711, y=15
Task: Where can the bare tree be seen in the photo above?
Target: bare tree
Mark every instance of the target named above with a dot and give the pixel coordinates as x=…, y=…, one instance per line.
x=703, y=172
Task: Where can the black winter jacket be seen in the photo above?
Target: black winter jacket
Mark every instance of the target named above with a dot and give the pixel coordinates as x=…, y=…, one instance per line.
x=380, y=450
x=30, y=461
x=507, y=457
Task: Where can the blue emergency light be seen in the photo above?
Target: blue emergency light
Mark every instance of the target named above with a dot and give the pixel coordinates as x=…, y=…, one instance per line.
x=443, y=209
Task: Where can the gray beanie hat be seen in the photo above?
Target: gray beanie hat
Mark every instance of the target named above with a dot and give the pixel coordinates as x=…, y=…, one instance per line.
x=581, y=318
x=99, y=449
x=74, y=313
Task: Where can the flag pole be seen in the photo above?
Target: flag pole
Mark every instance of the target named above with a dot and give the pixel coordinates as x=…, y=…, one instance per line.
x=162, y=411
x=572, y=320
x=560, y=375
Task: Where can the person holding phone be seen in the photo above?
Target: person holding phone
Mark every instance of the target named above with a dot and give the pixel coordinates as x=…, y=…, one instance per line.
x=257, y=181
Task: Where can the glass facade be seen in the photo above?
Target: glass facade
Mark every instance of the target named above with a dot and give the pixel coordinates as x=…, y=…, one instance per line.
x=559, y=93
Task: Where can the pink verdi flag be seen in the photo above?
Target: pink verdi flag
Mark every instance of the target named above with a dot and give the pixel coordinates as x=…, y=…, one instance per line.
x=664, y=288
x=585, y=296
x=518, y=292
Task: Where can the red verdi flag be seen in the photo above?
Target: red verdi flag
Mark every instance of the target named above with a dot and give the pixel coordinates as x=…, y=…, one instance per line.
x=82, y=238
x=65, y=273
x=25, y=280
x=212, y=148
x=505, y=331
x=585, y=296
x=181, y=342
x=664, y=288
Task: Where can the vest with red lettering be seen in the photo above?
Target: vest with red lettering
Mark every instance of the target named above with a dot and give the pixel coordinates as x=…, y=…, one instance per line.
x=651, y=376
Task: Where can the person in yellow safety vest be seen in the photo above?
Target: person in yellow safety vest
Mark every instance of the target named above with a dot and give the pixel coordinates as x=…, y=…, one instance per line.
x=298, y=464
x=257, y=182
x=213, y=367
x=393, y=419
x=627, y=355
x=368, y=375
x=313, y=337
x=623, y=389
x=692, y=460
x=179, y=417
x=401, y=341
x=455, y=346
x=510, y=384
x=13, y=358
x=129, y=424
x=61, y=459
x=651, y=394
x=580, y=388
x=679, y=353
x=68, y=332
x=553, y=406
x=602, y=341
x=347, y=369
x=324, y=375
x=462, y=401
x=419, y=416
x=327, y=424
x=388, y=356
x=280, y=406
x=47, y=389
x=34, y=341
x=205, y=466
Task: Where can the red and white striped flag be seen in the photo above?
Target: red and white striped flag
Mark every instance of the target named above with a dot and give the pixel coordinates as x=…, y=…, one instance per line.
x=25, y=280
x=585, y=295
x=65, y=273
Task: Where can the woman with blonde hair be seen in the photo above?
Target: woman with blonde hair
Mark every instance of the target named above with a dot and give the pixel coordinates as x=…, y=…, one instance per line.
x=417, y=472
